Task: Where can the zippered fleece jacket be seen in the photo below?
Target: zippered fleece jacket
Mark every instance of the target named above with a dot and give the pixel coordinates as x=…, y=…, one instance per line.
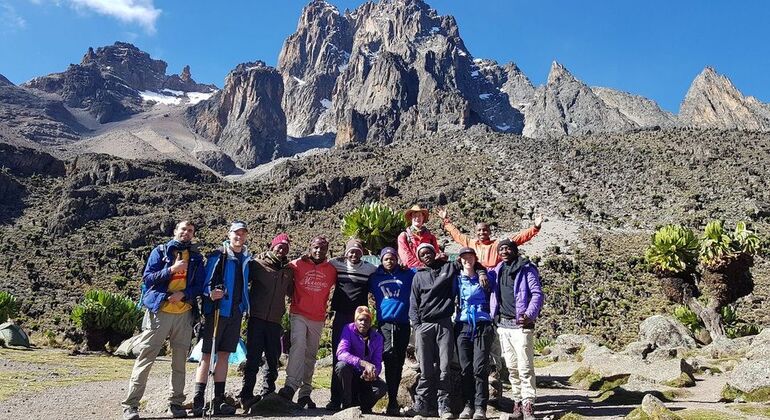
x=518, y=289
x=228, y=277
x=157, y=274
x=433, y=293
x=270, y=282
x=312, y=284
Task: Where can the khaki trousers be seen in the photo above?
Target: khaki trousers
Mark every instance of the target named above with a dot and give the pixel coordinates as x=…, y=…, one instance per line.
x=519, y=356
x=305, y=336
x=155, y=329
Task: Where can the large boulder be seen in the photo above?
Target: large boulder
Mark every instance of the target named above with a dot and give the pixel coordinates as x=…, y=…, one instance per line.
x=665, y=332
x=760, y=346
x=749, y=381
x=652, y=408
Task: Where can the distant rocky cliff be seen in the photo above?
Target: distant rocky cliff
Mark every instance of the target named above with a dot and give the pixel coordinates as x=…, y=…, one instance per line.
x=244, y=118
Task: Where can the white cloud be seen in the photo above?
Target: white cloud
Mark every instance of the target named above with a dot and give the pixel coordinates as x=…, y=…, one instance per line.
x=142, y=12
x=10, y=21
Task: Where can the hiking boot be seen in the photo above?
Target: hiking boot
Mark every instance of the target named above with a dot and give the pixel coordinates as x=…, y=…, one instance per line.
x=130, y=413
x=393, y=410
x=333, y=406
x=198, y=407
x=221, y=408
x=177, y=411
x=286, y=392
x=528, y=410
x=446, y=414
x=306, y=402
x=467, y=412
x=248, y=402
x=516, y=413
x=417, y=410
x=480, y=414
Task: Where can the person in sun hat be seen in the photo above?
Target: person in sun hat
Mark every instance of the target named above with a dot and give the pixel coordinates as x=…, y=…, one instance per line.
x=271, y=280
x=416, y=233
x=350, y=292
x=391, y=287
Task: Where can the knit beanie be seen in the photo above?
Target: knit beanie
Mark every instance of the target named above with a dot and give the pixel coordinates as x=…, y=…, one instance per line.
x=388, y=250
x=425, y=245
x=510, y=243
x=354, y=244
x=281, y=238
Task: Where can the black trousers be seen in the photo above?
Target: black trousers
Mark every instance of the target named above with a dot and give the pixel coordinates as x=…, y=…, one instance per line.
x=473, y=352
x=356, y=390
x=262, y=337
x=393, y=355
x=340, y=321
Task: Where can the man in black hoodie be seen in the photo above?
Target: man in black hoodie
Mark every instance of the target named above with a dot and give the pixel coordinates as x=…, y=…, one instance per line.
x=271, y=280
x=431, y=306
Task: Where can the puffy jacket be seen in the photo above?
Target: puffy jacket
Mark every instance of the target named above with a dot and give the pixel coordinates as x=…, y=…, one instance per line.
x=391, y=290
x=157, y=274
x=475, y=303
x=228, y=279
x=269, y=284
x=433, y=293
x=352, y=348
x=527, y=291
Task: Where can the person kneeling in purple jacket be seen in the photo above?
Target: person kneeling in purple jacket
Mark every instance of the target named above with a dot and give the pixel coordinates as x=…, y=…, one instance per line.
x=359, y=356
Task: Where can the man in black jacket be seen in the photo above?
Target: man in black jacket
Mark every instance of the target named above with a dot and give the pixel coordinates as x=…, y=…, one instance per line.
x=431, y=306
x=271, y=280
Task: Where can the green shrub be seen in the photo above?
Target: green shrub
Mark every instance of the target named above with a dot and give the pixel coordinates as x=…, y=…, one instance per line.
x=734, y=326
x=9, y=306
x=375, y=224
x=541, y=344
x=688, y=318
x=673, y=249
x=719, y=246
x=102, y=310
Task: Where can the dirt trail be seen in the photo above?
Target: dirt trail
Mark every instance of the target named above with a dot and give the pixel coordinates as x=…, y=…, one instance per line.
x=101, y=399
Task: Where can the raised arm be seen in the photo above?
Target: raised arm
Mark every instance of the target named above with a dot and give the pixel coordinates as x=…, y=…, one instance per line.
x=455, y=233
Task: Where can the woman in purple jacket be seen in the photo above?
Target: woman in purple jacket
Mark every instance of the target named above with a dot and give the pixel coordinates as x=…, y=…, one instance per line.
x=359, y=364
x=520, y=299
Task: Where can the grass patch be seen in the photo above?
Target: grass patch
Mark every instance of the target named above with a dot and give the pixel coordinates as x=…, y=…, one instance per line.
x=754, y=410
x=701, y=414
x=758, y=395
x=572, y=416
x=540, y=363
x=322, y=378
x=39, y=370
x=684, y=380
x=584, y=378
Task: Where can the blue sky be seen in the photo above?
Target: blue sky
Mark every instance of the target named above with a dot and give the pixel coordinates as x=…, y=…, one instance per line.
x=652, y=48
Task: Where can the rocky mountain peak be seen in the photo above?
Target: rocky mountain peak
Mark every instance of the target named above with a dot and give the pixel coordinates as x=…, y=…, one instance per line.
x=566, y=106
x=5, y=82
x=559, y=74
x=186, y=76
x=245, y=117
x=714, y=102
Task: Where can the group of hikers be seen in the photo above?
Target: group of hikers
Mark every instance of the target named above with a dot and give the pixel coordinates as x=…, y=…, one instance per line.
x=478, y=310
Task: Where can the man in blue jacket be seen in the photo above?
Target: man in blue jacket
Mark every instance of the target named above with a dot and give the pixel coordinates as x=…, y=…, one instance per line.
x=225, y=290
x=391, y=287
x=173, y=279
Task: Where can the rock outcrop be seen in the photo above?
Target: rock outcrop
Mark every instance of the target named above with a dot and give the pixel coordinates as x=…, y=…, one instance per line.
x=185, y=83
x=35, y=118
x=108, y=81
x=395, y=67
x=713, y=102
x=244, y=118
x=644, y=112
x=566, y=106
x=311, y=60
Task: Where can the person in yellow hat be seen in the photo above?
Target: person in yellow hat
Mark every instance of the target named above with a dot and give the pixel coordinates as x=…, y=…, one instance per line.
x=415, y=234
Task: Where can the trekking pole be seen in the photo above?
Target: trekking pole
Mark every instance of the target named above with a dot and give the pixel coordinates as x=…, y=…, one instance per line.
x=212, y=362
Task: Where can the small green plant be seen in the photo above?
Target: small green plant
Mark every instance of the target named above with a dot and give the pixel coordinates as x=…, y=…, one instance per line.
x=688, y=318
x=375, y=224
x=718, y=246
x=541, y=344
x=673, y=250
x=9, y=306
x=734, y=326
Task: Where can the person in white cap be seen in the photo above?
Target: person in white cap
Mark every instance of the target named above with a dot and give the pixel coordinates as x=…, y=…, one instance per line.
x=226, y=291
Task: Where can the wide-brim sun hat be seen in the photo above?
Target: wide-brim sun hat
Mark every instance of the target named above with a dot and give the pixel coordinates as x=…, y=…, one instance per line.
x=416, y=209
